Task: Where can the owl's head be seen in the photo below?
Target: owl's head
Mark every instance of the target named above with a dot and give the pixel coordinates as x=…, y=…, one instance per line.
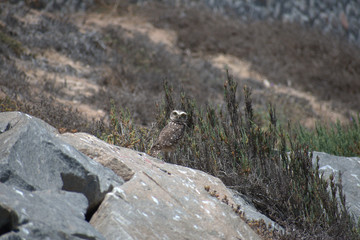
x=178, y=116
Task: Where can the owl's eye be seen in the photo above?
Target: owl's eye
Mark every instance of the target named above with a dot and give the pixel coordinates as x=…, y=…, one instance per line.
x=175, y=113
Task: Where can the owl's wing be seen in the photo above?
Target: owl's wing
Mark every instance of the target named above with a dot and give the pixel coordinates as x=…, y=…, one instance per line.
x=170, y=134
x=168, y=138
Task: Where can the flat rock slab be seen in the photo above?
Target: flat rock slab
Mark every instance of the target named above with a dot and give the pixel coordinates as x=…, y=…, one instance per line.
x=160, y=200
x=32, y=157
x=350, y=169
x=50, y=214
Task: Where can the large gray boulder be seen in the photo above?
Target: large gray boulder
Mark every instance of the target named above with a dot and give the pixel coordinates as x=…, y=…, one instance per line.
x=32, y=157
x=48, y=214
x=160, y=200
x=350, y=169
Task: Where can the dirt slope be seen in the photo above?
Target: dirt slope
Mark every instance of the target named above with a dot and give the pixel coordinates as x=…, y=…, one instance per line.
x=84, y=59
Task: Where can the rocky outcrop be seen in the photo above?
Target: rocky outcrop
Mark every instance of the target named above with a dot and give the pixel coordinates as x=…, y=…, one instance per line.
x=48, y=188
x=51, y=186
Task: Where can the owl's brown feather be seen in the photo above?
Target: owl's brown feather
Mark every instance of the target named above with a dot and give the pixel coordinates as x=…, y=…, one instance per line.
x=169, y=136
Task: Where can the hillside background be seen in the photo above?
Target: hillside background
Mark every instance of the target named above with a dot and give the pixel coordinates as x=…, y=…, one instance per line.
x=302, y=56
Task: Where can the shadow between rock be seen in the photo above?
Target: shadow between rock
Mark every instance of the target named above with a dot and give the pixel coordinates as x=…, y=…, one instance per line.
x=89, y=186
x=8, y=220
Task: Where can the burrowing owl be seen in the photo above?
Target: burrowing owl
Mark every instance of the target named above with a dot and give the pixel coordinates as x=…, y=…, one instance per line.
x=171, y=133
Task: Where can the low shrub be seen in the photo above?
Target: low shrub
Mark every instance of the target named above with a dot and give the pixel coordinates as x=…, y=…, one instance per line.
x=252, y=159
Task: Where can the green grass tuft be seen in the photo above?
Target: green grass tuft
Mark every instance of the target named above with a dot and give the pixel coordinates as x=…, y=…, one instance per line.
x=334, y=139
